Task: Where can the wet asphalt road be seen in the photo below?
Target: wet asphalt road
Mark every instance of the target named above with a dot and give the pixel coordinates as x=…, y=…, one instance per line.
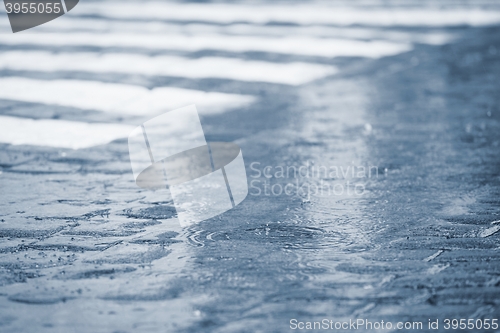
x=85, y=250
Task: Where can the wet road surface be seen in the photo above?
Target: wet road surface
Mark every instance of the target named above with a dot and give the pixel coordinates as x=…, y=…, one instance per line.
x=410, y=235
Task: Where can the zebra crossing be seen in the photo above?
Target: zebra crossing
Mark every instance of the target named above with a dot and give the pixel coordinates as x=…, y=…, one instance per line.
x=274, y=44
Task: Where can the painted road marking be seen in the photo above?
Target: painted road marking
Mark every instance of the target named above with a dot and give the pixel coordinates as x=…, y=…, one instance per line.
x=297, y=45
x=117, y=98
x=298, y=14
x=294, y=73
x=59, y=133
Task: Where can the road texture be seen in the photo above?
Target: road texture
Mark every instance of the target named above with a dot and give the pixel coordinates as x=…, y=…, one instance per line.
x=83, y=249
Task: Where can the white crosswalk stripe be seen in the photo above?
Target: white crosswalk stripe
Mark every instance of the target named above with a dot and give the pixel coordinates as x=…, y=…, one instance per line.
x=207, y=67
x=59, y=133
x=77, y=24
x=304, y=14
x=114, y=97
x=287, y=45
